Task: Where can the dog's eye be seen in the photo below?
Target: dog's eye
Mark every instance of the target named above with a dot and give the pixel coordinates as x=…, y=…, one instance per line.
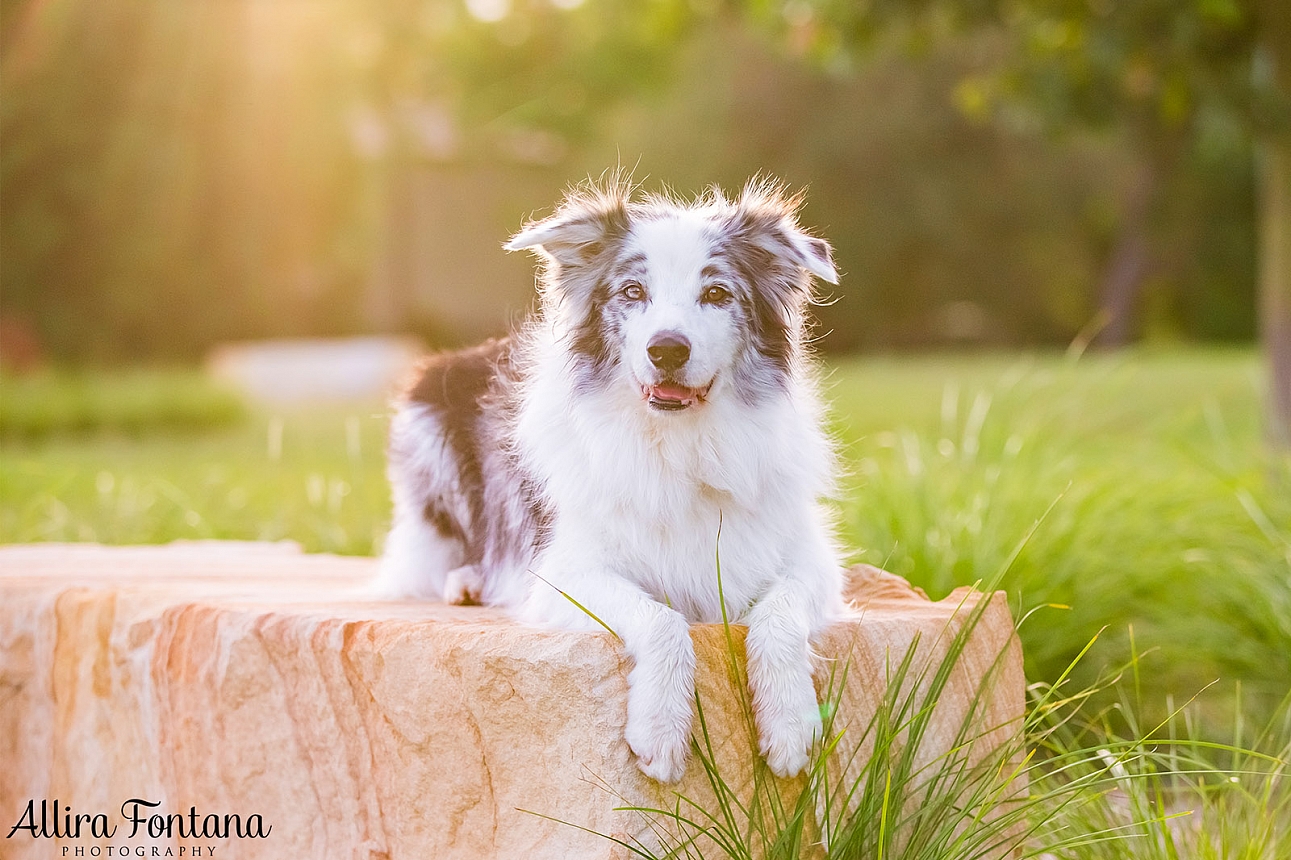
x=716, y=295
x=633, y=291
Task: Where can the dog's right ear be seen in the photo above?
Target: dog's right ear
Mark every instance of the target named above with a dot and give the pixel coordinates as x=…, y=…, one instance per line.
x=581, y=228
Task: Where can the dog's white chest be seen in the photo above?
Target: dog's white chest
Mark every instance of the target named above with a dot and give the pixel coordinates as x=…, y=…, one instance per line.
x=691, y=544
x=646, y=497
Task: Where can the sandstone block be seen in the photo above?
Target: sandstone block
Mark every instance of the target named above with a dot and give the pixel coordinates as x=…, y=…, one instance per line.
x=252, y=679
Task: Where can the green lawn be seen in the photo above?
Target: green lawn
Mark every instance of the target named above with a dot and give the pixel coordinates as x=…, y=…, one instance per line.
x=1164, y=510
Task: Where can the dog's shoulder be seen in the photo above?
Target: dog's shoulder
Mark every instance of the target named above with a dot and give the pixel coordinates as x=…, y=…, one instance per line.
x=453, y=381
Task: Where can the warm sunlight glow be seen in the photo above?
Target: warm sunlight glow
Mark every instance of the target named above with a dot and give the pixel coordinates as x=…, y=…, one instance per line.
x=488, y=10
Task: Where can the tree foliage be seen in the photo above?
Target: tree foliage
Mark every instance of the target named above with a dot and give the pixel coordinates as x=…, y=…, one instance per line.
x=179, y=173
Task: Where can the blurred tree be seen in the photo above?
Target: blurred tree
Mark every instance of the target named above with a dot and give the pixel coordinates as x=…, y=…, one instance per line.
x=179, y=173
x=949, y=232
x=1275, y=263
x=173, y=174
x=1171, y=79
x=1166, y=73
x=520, y=80
x=534, y=81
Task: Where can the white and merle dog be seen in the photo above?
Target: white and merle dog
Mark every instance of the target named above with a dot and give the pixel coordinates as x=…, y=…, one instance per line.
x=662, y=391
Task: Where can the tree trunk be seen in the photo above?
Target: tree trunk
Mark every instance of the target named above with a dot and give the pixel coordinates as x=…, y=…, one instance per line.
x=1275, y=283
x=1131, y=261
x=1275, y=233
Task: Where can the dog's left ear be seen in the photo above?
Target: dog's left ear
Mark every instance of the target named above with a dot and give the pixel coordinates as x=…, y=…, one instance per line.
x=767, y=216
x=578, y=231
x=814, y=254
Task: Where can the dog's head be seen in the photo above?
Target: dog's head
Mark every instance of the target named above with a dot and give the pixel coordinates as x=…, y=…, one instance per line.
x=680, y=301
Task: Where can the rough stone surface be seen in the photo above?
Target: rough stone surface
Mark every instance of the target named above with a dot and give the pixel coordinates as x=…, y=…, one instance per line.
x=253, y=679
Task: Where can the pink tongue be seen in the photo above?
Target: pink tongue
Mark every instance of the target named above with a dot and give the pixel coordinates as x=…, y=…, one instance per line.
x=671, y=392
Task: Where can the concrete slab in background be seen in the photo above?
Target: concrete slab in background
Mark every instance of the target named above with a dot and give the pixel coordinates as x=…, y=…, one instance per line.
x=314, y=369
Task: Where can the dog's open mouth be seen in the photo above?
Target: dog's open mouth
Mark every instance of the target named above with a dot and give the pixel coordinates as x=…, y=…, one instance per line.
x=673, y=397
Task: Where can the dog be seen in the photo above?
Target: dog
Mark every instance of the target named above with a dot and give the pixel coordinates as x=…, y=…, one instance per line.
x=580, y=472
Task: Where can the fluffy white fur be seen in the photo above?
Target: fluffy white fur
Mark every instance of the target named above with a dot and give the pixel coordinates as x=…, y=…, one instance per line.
x=632, y=496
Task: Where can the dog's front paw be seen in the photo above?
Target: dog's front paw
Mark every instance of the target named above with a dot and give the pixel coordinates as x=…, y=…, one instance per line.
x=658, y=730
x=786, y=734
x=463, y=586
x=661, y=689
x=661, y=756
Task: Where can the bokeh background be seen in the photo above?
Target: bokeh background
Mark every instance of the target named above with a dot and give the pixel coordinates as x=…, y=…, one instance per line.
x=176, y=174
x=1063, y=227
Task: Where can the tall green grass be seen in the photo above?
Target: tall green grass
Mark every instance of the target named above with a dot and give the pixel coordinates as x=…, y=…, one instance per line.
x=1065, y=783
x=1171, y=514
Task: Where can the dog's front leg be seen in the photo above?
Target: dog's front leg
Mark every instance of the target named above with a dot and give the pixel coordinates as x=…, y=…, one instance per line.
x=785, y=709
x=661, y=690
x=661, y=685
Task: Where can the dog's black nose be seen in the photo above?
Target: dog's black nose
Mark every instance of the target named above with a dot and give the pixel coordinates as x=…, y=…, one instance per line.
x=668, y=350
